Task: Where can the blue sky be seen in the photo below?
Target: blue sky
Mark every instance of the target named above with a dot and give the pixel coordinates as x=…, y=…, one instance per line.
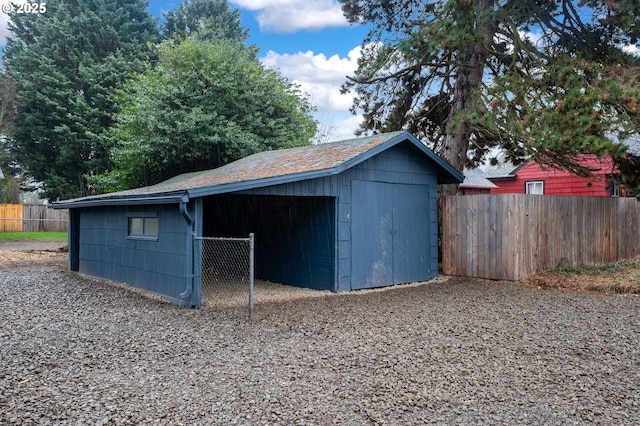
x=308, y=41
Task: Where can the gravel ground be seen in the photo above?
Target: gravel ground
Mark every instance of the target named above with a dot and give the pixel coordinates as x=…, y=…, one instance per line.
x=453, y=351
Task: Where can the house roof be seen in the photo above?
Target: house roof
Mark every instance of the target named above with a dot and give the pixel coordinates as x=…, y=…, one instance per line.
x=633, y=144
x=269, y=168
x=502, y=171
x=475, y=179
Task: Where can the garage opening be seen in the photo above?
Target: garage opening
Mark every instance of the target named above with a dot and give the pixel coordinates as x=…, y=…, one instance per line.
x=294, y=236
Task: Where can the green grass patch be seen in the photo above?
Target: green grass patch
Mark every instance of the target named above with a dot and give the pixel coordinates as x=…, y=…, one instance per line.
x=564, y=266
x=33, y=236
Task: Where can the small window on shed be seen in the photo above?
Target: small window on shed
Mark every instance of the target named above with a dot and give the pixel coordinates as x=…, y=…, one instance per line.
x=143, y=227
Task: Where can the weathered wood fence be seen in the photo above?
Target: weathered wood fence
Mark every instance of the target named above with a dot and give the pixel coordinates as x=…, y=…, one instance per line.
x=510, y=236
x=32, y=218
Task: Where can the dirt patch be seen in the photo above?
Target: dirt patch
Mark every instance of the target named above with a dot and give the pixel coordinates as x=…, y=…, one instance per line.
x=33, y=259
x=613, y=278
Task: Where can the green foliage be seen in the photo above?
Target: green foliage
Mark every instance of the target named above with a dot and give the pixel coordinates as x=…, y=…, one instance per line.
x=556, y=116
x=68, y=62
x=206, y=103
x=629, y=166
x=9, y=185
x=209, y=19
x=9, y=190
x=467, y=76
x=8, y=104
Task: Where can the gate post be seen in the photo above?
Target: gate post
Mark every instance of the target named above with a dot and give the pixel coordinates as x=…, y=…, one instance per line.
x=251, y=269
x=197, y=272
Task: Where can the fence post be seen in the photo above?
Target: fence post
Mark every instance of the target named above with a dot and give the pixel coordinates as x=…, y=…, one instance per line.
x=251, y=269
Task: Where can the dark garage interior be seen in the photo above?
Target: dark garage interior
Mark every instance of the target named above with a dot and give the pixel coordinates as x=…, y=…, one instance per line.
x=294, y=235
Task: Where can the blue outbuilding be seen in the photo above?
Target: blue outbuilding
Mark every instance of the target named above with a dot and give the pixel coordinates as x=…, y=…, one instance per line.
x=340, y=216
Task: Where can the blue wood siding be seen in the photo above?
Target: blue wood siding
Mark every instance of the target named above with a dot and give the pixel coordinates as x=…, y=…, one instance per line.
x=372, y=234
x=294, y=235
x=321, y=187
x=399, y=165
x=106, y=251
x=390, y=234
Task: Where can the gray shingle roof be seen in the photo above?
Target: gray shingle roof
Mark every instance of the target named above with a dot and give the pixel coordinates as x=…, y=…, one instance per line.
x=271, y=164
x=500, y=171
x=634, y=145
x=271, y=168
x=475, y=179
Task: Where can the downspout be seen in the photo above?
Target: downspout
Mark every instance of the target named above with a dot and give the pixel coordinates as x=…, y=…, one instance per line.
x=184, y=200
x=183, y=209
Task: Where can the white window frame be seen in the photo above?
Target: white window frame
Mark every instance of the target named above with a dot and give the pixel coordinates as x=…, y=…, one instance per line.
x=615, y=186
x=530, y=187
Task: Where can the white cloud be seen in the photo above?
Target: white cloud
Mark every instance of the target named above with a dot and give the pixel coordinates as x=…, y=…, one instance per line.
x=534, y=38
x=339, y=128
x=317, y=75
x=311, y=66
x=288, y=16
x=4, y=31
x=321, y=77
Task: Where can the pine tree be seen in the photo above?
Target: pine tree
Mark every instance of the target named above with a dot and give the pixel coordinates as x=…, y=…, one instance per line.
x=210, y=19
x=468, y=76
x=68, y=63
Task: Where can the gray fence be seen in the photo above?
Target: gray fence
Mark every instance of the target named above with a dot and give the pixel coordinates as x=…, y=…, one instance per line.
x=510, y=236
x=227, y=268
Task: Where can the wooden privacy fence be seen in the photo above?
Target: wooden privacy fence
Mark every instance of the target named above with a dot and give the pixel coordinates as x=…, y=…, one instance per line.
x=511, y=236
x=32, y=218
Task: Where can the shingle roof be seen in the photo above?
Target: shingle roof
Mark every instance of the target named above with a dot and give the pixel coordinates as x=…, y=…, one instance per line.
x=475, y=179
x=634, y=145
x=271, y=168
x=502, y=171
x=270, y=164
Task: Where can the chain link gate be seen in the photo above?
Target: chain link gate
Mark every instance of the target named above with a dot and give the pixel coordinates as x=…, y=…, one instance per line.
x=227, y=270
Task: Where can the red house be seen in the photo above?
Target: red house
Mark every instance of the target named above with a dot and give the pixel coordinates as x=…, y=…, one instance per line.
x=532, y=178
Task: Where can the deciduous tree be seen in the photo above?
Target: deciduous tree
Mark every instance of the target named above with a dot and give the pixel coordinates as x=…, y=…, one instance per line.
x=206, y=103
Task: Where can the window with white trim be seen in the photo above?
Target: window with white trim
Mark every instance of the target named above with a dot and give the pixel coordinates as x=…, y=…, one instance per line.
x=534, y=187
x=614, y=181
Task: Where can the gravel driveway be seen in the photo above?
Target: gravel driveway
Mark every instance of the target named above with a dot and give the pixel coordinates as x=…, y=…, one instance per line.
x=451, y=352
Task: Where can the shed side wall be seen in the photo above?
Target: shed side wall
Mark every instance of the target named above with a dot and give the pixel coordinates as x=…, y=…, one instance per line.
x=106, y=251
